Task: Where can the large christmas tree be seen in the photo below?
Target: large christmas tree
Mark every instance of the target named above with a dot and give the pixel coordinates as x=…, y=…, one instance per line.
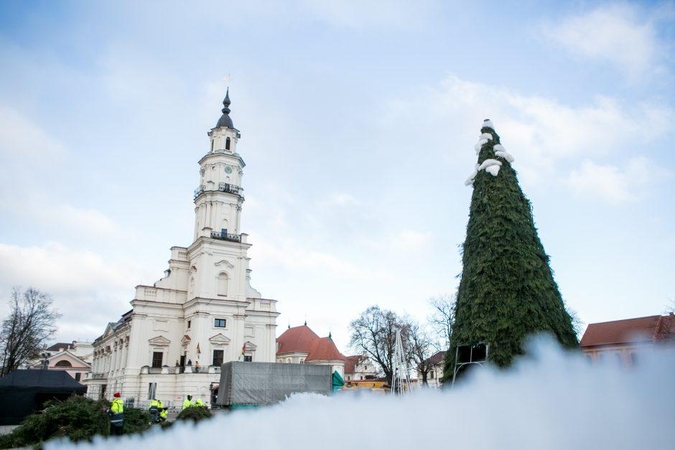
x=507, y=291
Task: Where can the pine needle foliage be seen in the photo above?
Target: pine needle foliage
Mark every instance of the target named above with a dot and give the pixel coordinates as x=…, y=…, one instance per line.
x=507, y=291
x=194, y=413
x=77, y=419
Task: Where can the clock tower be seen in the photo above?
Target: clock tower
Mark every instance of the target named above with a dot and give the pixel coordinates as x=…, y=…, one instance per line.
x=204, y=311
x=219, y=197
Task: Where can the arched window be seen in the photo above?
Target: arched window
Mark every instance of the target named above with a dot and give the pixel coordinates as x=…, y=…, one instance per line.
x=63, y=364
x=227, y=143
x=223, y=281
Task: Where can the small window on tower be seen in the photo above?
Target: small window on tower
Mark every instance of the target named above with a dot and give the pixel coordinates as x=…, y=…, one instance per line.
x=219, y=323
x=223, y=279
x=227, y=143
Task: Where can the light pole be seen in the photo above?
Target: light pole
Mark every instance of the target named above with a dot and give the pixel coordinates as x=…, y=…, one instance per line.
x=44, y=361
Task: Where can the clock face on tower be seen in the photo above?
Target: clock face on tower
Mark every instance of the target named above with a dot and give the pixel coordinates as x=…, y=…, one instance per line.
x=228, y=169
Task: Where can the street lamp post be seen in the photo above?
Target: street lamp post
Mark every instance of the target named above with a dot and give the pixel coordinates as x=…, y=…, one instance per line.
x=44, y=361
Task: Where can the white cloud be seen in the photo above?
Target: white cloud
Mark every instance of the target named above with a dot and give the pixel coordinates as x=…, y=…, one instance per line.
x=87, y=289
x=77, y=220
x=615, y=34
x=544, y=135
x=370, y=13
x=341, y=199
x=24, y=141
x=292, y=257
x=410, y=241
x=615, y=184
x=29, y=157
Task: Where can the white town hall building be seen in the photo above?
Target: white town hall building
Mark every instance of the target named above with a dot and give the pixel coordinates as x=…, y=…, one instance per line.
x=204, y=311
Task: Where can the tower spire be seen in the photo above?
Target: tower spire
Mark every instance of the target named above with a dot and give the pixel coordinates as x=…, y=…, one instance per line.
x=225, y=120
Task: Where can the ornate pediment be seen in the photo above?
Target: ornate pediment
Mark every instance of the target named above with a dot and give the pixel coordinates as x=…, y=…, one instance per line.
x=159, y=341
x=185, y=341
x=224, y=262
x=219, y=339
x=250, y=346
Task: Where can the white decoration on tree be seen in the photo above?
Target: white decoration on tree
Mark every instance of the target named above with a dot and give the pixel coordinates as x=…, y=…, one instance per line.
x=493, y=170
x=471, y=178
x=489, y=163
x=482, y=141
x=506, y=155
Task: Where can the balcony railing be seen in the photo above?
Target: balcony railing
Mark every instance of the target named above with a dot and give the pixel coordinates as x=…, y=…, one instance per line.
x=225, y=236
x=199, y=190
x=231, y=188
x=178, y=370
x=222, y=187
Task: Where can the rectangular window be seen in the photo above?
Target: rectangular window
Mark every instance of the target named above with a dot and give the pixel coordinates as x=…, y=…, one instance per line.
x=157, y=359
x=78, y=376
x=219, y=323
x=248, y=358
x=152, y=390
x=218, y=357
x=189, y=323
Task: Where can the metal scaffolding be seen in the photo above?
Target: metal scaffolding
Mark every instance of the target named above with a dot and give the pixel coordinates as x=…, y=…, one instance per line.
x=400, y=378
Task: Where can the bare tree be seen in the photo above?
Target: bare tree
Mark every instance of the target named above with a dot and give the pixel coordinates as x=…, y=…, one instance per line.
x=374, y=334
x=420, y=348
x=577, y=323
x=31, y=323
x=441, y=319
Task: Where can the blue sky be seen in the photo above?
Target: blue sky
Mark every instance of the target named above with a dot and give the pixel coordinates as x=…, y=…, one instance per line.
x=358, y=123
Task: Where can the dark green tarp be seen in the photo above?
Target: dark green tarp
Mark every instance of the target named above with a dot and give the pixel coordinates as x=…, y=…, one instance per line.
x=24, y=392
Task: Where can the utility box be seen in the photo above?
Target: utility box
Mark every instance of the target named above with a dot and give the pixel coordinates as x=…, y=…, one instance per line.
x=247, y=384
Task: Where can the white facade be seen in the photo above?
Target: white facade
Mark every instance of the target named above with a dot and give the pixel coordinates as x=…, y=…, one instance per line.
x=361, y=368
x=204, y=311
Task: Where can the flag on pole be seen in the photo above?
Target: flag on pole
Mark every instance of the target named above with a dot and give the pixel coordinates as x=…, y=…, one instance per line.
x=199, y=350
x=243, y=348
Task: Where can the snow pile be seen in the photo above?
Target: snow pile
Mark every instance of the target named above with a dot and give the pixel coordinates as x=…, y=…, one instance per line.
x=491, y=166
x=550, y=401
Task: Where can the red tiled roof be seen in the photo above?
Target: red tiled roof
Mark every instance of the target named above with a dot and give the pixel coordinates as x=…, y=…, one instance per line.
x=60, y=346
x=296, y=340
x=324, y=349
x=351, y=362
x=641, y=329
x=436, y=358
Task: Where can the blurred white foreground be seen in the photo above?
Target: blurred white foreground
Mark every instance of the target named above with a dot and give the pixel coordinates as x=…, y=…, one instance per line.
x=549, y=400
